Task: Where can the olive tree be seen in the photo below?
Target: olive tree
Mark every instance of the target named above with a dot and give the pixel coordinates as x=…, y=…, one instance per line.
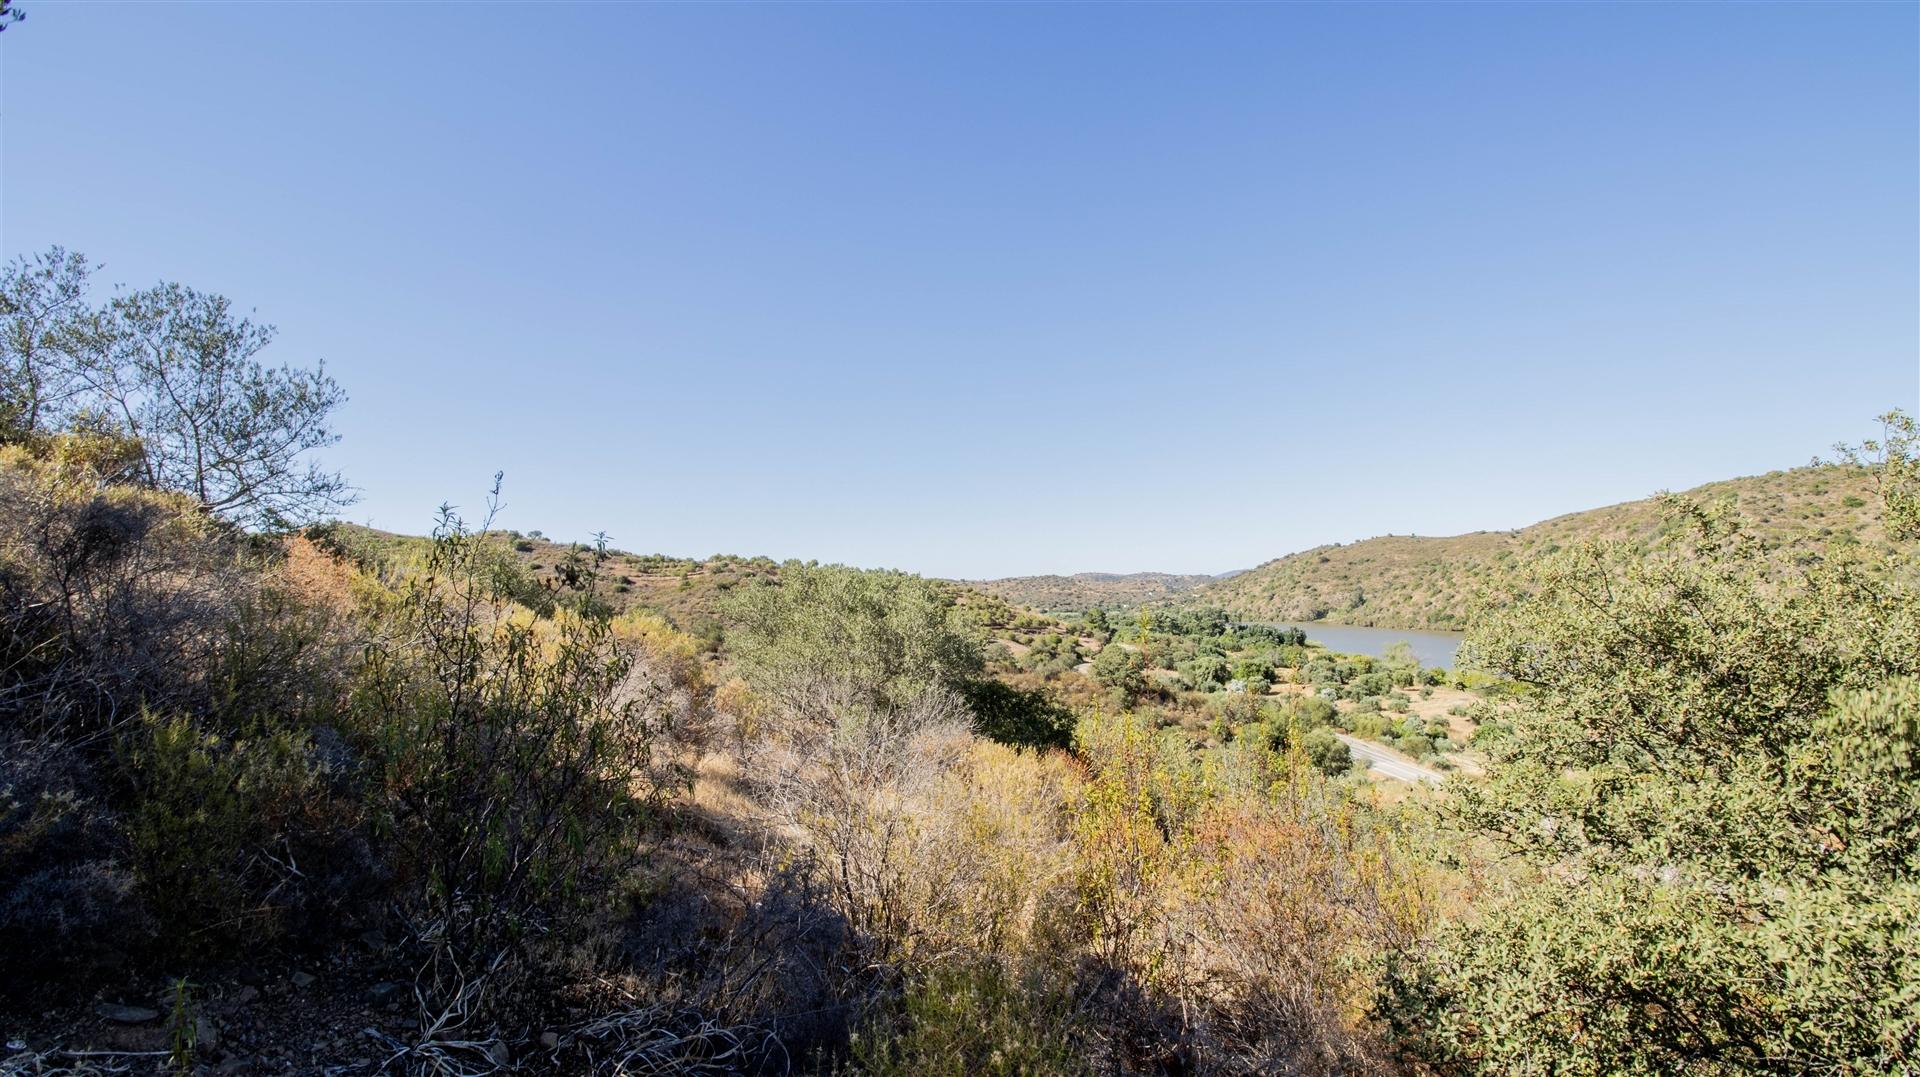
x=45, y=328
x=182, y=375
x=176, y=371
x=882, y=638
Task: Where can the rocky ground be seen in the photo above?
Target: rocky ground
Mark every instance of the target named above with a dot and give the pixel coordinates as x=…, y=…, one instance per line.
x=353, y=1011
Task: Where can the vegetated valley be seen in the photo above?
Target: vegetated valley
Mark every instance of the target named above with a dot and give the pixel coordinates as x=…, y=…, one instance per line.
x=282, y=794
x=1414, y=581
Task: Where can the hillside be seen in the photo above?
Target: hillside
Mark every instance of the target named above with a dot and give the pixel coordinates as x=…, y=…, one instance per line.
x=684, y=590
x=1082, y=590
x=687, y=592
x=1403, y=581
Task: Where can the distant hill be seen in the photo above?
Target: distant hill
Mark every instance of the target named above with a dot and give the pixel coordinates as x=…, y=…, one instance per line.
x=1069, y=594
x=1414, y=582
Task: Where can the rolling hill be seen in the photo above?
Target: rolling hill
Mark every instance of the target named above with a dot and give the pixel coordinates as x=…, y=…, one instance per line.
x=687, y=592
x=1070, y=594
x=1407, y=581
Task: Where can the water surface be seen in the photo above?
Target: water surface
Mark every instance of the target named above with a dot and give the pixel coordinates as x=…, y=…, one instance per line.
x=1431, y=648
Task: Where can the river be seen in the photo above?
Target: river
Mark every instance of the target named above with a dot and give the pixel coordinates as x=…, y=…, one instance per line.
x=1431, y=648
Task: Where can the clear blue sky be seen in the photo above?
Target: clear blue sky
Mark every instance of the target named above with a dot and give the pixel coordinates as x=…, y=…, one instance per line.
x=997, y=289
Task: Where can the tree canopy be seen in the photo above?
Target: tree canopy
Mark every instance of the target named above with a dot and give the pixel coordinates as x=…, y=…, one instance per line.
x=888, y=637
x=175, y=373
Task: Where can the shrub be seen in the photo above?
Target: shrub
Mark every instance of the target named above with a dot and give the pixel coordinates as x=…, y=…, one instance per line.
x=852, y=777
x=1371, y=726
x=1309, y=712
x=112, y=596
x=1328, y=753
x=233, y=841
x=1245, y=895
x=1021, y=718
x=522, y=758
x=889, y=636
x=1206, y=671
x=69, y=901
x=1676, y=713
x=1121, y=669
x=976, y=1017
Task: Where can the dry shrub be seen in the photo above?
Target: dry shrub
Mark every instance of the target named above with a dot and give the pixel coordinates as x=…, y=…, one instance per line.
x=320, y=578
x=109, y=597
x=671, y=651
x=744, y=708
x=113, y=598
x=69, y=901
x=912, y=851
x=1132, y=838
x=848, y=779
x=1297, y=895
x=122, y=832
x=1248, y=894
x=525, y=759
x=742, y=967
x=990, y=870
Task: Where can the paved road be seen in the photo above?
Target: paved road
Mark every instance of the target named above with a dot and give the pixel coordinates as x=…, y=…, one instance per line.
x=1389, y=762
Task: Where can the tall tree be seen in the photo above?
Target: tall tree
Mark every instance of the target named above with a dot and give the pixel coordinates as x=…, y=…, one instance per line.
x=177, y=371
x=45, y=325
x=182, y=374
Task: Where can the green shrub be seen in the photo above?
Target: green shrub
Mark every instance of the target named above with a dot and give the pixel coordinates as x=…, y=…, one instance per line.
x=1249, y=669
x=69, y=901
x=1122, y=670
x=1206, y=671
x=1733, y=738
x=1309, y=712
x=522, y=759
x=233, y=840
x=1328, y=752
x=1370, y=726
x=975, y=1019
x=1023, y=719
x=888, y=636
x=1487, y=734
